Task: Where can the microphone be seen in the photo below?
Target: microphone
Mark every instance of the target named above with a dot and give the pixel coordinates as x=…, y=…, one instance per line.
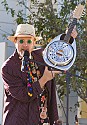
x=24, y=60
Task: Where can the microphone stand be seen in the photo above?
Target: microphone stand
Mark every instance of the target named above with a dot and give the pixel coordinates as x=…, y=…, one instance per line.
x=67, y=95
x=68, y=75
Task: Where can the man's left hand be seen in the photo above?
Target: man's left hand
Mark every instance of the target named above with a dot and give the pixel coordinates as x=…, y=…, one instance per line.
x=74, y=33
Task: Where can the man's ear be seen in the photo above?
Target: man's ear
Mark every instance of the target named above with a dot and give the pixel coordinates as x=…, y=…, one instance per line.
x=34, y=41
x=15, y=40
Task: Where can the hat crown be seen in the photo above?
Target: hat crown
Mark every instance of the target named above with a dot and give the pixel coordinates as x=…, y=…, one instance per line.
x=25, y=29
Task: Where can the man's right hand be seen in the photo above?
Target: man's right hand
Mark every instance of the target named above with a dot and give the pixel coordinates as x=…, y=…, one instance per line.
x=47, y=76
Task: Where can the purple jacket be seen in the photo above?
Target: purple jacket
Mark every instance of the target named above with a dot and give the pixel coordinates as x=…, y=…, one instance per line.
x=19, y=108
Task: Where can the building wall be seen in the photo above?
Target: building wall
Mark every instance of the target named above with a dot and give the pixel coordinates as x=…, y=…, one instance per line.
x=72, y=110
x=82, y=109
x=3, y=57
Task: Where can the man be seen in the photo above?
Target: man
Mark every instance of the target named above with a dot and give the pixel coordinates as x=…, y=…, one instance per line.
x=30, y=97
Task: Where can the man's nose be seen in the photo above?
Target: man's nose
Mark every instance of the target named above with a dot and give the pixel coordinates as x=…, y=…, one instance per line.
x=25, y=44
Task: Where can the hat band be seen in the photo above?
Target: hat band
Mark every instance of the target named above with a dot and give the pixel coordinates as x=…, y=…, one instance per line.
x=24, y=35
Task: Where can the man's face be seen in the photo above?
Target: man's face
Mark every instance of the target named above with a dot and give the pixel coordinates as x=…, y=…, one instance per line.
x=24, y=43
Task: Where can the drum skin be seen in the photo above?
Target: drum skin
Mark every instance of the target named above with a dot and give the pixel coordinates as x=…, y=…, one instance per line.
x=55, y=51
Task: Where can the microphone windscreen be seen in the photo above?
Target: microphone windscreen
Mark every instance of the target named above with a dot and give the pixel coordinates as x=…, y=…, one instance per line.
x=26, y=53
x=24, y=60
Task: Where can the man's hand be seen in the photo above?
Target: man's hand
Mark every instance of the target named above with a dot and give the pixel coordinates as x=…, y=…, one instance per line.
x=74, y=33
x=47, y=76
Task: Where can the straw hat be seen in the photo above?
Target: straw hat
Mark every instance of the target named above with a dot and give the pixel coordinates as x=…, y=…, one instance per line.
x=24, y=30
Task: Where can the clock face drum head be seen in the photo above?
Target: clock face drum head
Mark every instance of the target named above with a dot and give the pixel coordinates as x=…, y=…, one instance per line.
x=60, y=54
